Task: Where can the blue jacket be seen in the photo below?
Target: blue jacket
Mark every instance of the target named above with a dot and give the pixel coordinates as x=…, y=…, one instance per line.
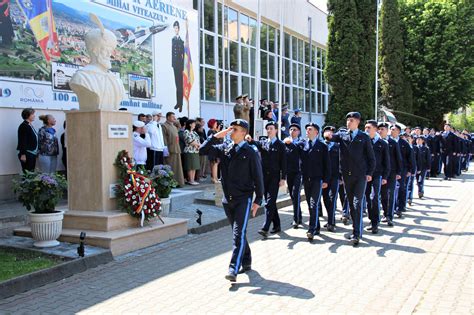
x=334, y=159
x=293, y=160
x=423, y=158
x=273, y=157
x=408, y=163
x=315, y=162
x=241, y=170
x=395, y=156
x=382, y=158
x=357, y=156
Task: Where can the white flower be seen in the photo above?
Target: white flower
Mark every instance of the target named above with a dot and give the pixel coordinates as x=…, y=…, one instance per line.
x=141, y=186
x=134, y=203
x=154, y=214
x=128, y=199
x=142, y=191
x=134, y=197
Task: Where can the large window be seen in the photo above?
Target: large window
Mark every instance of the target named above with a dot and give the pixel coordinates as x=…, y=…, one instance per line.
x=225, y=28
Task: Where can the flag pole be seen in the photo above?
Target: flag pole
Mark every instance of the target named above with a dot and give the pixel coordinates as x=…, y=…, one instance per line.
x=377, y=60
x=280, y=70
x=257, y=68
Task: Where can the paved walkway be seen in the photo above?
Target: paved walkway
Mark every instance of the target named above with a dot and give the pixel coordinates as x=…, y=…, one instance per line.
x=424, y=264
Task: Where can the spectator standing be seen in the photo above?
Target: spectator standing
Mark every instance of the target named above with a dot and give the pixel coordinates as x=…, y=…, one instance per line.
x=155, y=154
x=191, y=151
x=214, y=127
x=48, y=145
x=170, y=132
x=202, y=158
x=27, y=141
x=140, y=144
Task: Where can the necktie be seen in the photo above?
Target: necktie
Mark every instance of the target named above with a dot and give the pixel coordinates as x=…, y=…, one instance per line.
x=310, y=144
x=351, y=134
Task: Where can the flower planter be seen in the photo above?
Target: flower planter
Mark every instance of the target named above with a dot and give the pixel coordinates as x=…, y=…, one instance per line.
x=165, y=206
x=46, y=228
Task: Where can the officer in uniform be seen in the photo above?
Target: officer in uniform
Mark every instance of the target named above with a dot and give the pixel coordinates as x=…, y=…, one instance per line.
x=412, y=178
x=241, y=178
x=273, y=153
x=330, y=193
x=379, y=178
x=294, y=174
x=388, y=190
x=357, y=166
x=177, y=62
x=423, y=164
x=316, y=171
x=407, y=169
x=449, y=151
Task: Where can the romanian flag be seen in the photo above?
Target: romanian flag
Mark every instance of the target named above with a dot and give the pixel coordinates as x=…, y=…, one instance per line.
x=39, y=14
x=188, y=73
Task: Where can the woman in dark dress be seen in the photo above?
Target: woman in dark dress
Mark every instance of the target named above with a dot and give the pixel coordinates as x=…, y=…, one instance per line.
x=27, y=141
x=214, y=127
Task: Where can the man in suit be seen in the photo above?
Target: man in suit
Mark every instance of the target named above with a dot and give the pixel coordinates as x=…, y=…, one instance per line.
x=241, y=178
x=273, y=153
x=423, y=164
x=293, y=162
x=388, y=195
x=330, y=193
x=379, y=177
x=407, y=169
x=449, y=151
x=316, y=170
x=171, y=137
x=357, y=162
x=177, y=62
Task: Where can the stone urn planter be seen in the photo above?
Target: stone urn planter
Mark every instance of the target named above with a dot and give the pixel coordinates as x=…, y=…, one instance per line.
x=46, y=228
x=165, y=206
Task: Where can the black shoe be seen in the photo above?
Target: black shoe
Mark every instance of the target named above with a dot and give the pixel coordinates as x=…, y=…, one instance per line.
x=348, y=235
x=420, y=195
x=384, y=219
x=326, y=225
x=263, y=233
x=389, y=222
x=317, y=232
x=449, y=178
x=354, y=240
x=331, y=228
x=231, y=277
x=294, y=225
x=275, y=231
x=374, y=230
x=310, y=236
x=345, y=220
x=445, y=178
x=244, y=269
x=399, y=214
x=409, y=202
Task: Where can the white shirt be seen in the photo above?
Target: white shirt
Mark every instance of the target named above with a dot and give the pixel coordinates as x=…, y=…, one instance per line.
x=155, y=131
x=139, y=147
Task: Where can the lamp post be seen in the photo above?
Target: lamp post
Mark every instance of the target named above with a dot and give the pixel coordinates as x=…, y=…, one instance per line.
x=379, y=3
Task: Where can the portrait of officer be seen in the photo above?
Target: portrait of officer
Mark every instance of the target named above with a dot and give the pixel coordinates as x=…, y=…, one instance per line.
x=177, y=62
x=241, y=178
x=357, y=166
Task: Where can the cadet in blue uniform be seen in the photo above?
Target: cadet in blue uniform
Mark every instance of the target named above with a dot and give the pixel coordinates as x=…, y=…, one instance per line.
x=388, y=190
x=315, y=167
x=294, y=174
x=412, y=178
x=449, y=151
x=273, y=153
x=379, y=178
x=357, y=162
x=407, y=168
x=423, y=164
x=241, y=178
x=330, y=193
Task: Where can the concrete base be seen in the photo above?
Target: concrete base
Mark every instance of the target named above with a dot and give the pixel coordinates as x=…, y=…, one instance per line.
x=124, y=240
x=98, y=220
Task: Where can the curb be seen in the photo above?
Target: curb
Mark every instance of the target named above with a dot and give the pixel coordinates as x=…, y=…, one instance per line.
x=42, y=277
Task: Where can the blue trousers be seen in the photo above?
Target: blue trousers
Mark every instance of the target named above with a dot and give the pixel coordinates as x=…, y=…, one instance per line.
x=238, y=213
x=312, y=190
x=402, y=191
x=410, y=186
x=448, y=161
x=355, y=188
x=330, y=199
x=372, y=195
x=294, y=187
x=388, y=196
x=420, y=181
x=271, y=183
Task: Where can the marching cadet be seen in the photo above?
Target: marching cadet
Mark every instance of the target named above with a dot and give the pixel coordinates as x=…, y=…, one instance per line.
x=315, y=169
x=423, y=164
x=241, y=178
x=330, y=193
x=449, y=151
x=429, y=144
x=411, y=179
x=357, y=162
x=379, y=178
x=294, y=174
x=388, y=190
x=342, y=193
x=273, y=153
x=407, y=169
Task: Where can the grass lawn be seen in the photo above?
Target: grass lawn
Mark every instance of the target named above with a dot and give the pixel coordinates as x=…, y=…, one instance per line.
x=15, y=262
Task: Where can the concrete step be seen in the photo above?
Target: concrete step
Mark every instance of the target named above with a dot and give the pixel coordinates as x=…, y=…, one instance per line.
x=183, y=197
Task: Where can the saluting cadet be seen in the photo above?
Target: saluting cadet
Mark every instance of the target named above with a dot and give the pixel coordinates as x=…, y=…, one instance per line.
x=407, y=167
x=379, y=177
x=342, y=193
x=316, y=171
x=273, y=153
x=357, y=162
x=449, y=151
x=330, y=193
x=423, y=164
x=241, y=178
x=388, y=191
x=294, y=174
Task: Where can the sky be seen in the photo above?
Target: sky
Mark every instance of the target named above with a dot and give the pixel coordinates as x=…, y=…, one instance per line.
x=321, y=4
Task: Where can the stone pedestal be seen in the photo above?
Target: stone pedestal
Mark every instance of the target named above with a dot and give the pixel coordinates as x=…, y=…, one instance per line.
x=94, y=139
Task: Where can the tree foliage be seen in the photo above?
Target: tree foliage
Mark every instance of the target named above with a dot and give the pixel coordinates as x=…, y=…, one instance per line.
x=439, y=55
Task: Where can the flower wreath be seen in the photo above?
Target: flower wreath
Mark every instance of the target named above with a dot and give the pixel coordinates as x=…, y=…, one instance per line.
x=135, y=192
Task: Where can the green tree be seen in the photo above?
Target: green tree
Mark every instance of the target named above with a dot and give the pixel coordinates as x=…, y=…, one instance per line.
x=439, y=55
x=395, y=89
x=343, y=69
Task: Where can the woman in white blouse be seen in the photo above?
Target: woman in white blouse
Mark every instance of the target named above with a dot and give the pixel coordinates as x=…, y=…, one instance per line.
x=191, y=151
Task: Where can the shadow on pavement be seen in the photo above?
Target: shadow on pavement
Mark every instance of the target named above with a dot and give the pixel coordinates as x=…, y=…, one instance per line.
x=264, y=286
